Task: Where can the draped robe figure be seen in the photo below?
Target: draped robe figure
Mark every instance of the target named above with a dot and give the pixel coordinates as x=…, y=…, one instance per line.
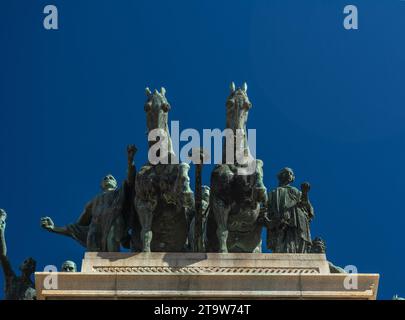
x=289, y=214
x=105, y=221
x=102, y=225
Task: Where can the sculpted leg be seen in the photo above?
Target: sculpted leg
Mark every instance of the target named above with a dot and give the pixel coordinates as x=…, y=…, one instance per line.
x=184, y=192
x=145, y=213
x=221, y=213
x=147, y=239
x=260, y=189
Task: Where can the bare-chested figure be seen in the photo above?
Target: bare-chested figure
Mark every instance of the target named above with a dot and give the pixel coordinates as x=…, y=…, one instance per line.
x=16, y=287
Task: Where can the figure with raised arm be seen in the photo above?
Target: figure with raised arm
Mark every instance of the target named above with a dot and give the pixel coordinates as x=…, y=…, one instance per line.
x=16, y=287
x=105, y=222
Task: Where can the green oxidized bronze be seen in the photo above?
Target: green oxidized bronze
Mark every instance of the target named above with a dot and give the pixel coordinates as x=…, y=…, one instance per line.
x=69, y=266
x=105, y=222
x=289, y=215
x=16, y=287
x=163, y=197
x=237, y=189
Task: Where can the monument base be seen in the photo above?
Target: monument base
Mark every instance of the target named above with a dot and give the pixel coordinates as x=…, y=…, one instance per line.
x=206, y=276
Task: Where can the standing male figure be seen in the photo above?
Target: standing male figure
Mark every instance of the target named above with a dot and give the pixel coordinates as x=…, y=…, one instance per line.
x=289, y=215
x=103, y=226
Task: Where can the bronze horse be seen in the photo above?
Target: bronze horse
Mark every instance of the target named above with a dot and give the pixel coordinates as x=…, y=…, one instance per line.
x=163, y=195
x=237, y=195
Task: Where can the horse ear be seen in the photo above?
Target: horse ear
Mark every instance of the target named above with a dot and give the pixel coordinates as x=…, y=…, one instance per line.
x=163, y=91
x=245, y=87
x=148, y=92
x=232, y=87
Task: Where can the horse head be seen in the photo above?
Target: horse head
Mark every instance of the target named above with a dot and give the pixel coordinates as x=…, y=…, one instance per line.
x=237, y=111
x=237, y=108
x=157, y=113
x=156, y=108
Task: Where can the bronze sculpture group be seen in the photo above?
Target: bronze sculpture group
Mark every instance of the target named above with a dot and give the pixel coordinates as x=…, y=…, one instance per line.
x=155, y=208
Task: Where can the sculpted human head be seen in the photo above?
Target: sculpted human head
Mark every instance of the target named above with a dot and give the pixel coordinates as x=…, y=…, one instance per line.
x=69, y=266
x=28, y=266
x=108, y=183
x=285, y=176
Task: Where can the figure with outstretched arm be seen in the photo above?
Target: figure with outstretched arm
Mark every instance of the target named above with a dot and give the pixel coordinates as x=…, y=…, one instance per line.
x=48, y=224
x=105, y=221
x=16, y=287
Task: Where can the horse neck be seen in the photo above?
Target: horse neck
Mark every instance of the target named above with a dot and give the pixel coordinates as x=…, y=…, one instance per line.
x=244, y=141
x=165, y=129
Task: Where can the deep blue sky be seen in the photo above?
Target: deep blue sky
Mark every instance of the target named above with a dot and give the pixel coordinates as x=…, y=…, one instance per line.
x=326, y=101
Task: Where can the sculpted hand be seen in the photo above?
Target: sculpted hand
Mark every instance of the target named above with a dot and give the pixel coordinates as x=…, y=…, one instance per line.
x=305, y=187
x=3, y=217
x=47, y=223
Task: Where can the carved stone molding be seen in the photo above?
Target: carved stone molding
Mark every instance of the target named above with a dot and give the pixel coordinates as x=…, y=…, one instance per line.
x=202, y=269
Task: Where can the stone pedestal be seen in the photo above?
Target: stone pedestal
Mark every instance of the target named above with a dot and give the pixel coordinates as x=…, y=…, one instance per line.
x=206, y=276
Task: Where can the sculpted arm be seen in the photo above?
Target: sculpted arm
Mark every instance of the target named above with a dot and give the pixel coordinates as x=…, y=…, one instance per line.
x=131, y=171
x=5, y=263
x=3, y=246
x=84, y=220
x=305, y=203
x=48, y=224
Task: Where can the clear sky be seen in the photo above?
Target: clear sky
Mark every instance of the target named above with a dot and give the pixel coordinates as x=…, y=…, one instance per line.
x=327, y=102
